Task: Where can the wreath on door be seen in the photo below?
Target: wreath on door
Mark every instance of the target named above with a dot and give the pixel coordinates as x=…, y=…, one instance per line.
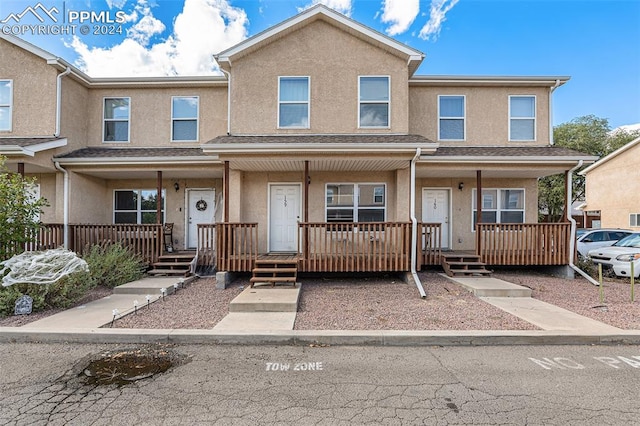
x=201, y=205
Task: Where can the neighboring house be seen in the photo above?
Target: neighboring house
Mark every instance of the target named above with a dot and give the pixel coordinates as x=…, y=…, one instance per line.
x=612, y=187
x=319, y=140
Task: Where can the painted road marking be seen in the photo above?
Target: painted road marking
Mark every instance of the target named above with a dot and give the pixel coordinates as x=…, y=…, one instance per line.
x=563, y=363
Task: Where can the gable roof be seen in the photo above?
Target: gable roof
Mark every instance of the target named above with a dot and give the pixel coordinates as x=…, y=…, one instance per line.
x=611, y=156
x=319, y=11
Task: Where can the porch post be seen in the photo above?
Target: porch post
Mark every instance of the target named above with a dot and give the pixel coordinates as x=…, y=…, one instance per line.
x=305, y=213
x=225, y=192
x=21, y=169
x=567, y=201
x=478, y=209
x=159, y=198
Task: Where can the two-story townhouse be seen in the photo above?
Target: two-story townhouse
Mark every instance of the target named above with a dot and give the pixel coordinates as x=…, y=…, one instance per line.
x=318, y=141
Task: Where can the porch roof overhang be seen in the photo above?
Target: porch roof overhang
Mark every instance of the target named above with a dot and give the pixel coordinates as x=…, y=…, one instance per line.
x=336, y=152
x=500, y=162
x=142, y=163
x=29, y=146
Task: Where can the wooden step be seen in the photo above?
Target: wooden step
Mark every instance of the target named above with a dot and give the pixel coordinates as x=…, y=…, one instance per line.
x=172, y=264
x=273, y=270
x=272, y=279
x=176, y=272
x=469, y=272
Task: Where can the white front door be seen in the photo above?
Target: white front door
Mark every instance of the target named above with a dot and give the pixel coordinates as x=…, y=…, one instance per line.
x=201, y=208
x=435, y=209
x=284, y=213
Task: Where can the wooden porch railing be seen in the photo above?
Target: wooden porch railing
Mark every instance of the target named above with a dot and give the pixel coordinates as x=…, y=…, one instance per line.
x=48, y=237
x=207, y=244
x=355, y=247
x=236, y=246
x=523, y=243
x=429, y=244
x=145, y=240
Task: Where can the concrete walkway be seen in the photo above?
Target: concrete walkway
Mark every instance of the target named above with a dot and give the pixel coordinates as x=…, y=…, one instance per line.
x=517, y=301
x=101, y=312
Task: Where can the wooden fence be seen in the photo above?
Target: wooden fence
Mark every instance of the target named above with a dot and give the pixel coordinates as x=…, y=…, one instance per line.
x=523, y=243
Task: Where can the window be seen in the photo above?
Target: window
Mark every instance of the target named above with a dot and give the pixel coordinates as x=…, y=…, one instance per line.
x=451, y=111
x=184, y=118
x=348, y=202
x=500, y=206
x=374, y=102
x=136, y=206
x=522, y=118
x=116, y=119
x=293, y=102
x=634, y=219
x=6, y=101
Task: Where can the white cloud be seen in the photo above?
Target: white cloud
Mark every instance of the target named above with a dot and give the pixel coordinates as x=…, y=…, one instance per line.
x=203, y=28
x=115, y=3
x=438, y=10
x=401, y=14
x=342, y=6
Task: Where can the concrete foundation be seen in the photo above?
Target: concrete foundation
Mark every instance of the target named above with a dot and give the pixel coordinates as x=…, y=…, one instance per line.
x=224, y=279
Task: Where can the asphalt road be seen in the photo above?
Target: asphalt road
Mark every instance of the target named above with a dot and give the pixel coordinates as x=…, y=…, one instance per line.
x=554, y=385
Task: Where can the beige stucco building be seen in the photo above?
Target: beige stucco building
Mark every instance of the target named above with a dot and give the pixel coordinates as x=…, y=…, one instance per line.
x=319, y=119
x=613, y=185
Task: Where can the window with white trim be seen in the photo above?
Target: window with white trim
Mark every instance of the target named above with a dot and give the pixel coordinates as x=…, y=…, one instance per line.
x=356, y=202
x=293, y=102
x=137, y=206
x=373, y=101
x=116, y=116
x=499, y=206
x=634, y=219
x=184, y=118
x=522, y=118
x=451, y=117
x=6, y=104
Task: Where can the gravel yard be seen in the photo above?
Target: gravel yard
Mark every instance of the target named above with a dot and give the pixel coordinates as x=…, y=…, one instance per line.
x=385, y=302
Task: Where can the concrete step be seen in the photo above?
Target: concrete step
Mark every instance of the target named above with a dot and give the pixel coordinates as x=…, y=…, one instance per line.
x=256, y=321
x=491, y=287
x=152, y=285
x=267, y=299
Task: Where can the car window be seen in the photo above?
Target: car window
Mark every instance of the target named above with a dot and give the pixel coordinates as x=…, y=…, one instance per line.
x=618, y=235
x=597, y=236
x=632, y=240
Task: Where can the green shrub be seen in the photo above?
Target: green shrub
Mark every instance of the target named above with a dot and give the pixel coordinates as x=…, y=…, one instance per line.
x=109, y=265
x=112, y=265
x=62, y=294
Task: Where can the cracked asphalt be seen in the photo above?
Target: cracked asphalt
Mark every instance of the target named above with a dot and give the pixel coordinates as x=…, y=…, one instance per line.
x=44, y=384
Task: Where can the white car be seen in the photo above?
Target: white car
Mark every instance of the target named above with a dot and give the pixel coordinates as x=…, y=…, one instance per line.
x=595, y=238
x=620, y=256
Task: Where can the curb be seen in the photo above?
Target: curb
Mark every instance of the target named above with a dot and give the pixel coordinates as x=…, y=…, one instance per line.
x=315, y=337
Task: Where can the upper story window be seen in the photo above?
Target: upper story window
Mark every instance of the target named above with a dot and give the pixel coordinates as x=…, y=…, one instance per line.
x=361, y=202
x=293, y=102
x=116, y=119
x=184, y=118
x=500, y=206
x=6, y=102
x=522, y=118
x=634, y=219
x=373, y=101
x=451, y=117
x=137, y=206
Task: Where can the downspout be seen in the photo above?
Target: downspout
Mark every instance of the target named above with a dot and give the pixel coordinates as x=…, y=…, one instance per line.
x=553, y=88
x=65, y=205
x=572, y=240
x=414, y=224
x=59, y=100
x=228, y=74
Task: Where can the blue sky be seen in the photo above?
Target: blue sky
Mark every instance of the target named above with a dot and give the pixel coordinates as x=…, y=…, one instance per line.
x=596, y=42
